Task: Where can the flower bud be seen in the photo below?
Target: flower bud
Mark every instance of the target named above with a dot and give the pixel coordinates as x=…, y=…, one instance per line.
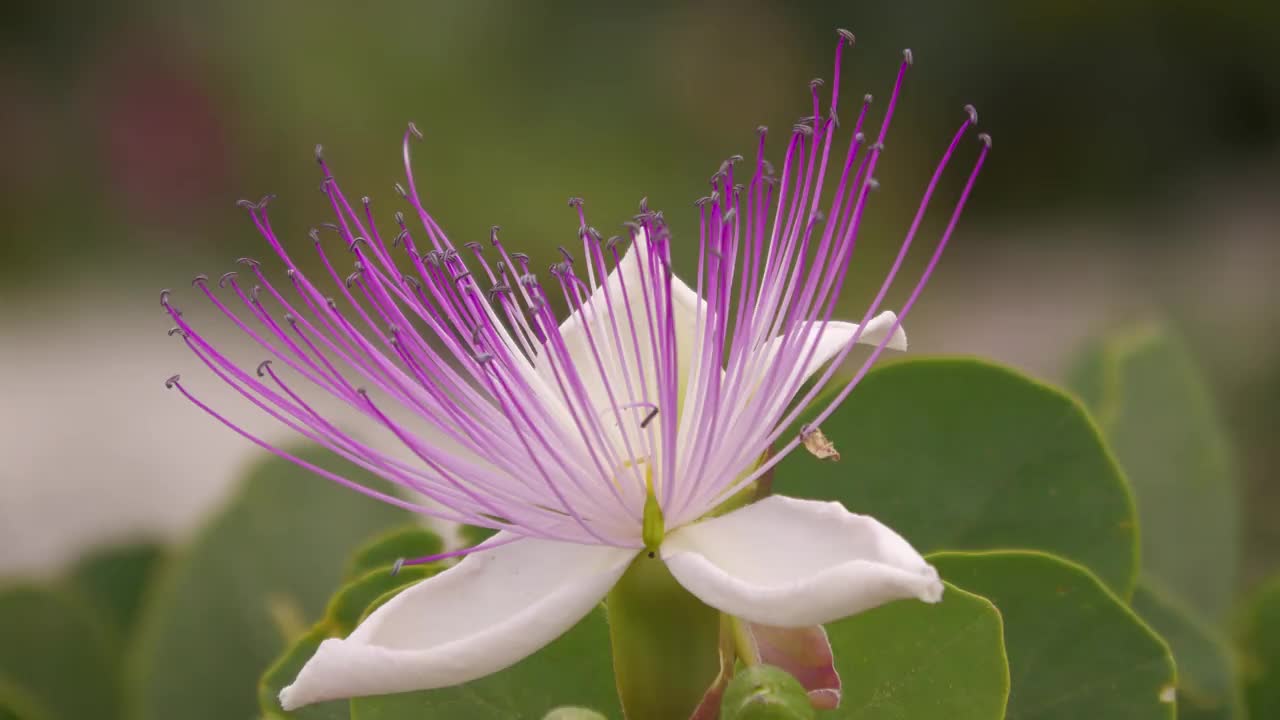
x=764, y=692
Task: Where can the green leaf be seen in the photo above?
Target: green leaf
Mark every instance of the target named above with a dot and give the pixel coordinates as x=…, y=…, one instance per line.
x=574, y=670
x=410, y=542
x=1207, y=688
x=957, y=454
x=1075, y=649
x=114, y=581
x=1157, y=414
x=1258, y=636
x=17, y=704
x=56, y=657
x=908, y=661
x=765, y=692
x=252, y=580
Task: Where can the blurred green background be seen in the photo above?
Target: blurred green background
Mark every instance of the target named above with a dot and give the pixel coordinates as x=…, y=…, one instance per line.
x=1135, y=178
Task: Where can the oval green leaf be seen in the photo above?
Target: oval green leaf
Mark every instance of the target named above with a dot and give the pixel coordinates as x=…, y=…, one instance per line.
x=912, y=661
x=1157, y=413
x=576, y=669
x=1075, y=649
x=57, y=655
x=1207, y=688
x=957, y=454
x=252, y=580
x=1258, y=636
x=114, y=580
x=402, y=543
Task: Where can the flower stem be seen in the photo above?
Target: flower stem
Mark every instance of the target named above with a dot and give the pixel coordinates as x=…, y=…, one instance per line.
x=665, y=643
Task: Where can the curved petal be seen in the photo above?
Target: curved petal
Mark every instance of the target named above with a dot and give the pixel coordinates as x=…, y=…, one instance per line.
x=486, y=613
x=838, y=334
x=623, y=358
x=792, y=563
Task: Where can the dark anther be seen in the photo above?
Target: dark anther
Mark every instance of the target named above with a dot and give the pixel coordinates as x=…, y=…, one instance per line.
x=633, y=225
x=199, y=280
x=399, y=238
x=565, y=253
x=330, y=226
x=450, y=254
x=866, y=99
x=556, y=268
x=262, y=367
x=434, y=257
x=816, y=83
x=463, y=276
x=248, y=261
x=859, y=138
x=351, y=247
x=416, y=132
x=644, y=204
x=768, y=167
x=395, y=567
x=289, y=318
x=877, y=147
x=528, y=279
x=266, y=200
x=412, y=281
x=907, y=57
x=401, y=191
x=247, y=204
x=594, y=234
x=873, y=184
x=833, y=117
x=575, y=202
x=358, y=266
x=477, y=333
x=319, y=153
x=762, y=130
x=365, y=201
x=701, y=201
x=173, y=380
x=613, y=241
x=292, y=273
x=176, y=331
x=649, y=418
x=985, y=139
x=973, y=113
x=738, y=188
x=222, y=281
x=164, y=297
x=520, y=256
x=253, y=294
x=719, y=175
x=484, y=357
x=770, y=180
x=498, y=290
x=501, y=268
x=315, y=235
x=803, y=129
x=399, y=217
x=659, y=218
x=333, y=304
x=714, y=197
x=730, y=215
x=473, y=246
x=735, y=158
x=817, y=216
x=493, y=234
x=847, y=36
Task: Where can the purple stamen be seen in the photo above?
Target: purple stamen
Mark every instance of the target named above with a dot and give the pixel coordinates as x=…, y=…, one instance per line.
x=514, y=421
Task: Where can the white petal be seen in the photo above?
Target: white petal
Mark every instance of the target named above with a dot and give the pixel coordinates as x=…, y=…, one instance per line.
x=791, y=563
x=484, y=614
x=838, y=334
x=630, y=314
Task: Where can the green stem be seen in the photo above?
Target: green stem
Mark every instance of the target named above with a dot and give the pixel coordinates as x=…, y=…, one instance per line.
x=665, y=643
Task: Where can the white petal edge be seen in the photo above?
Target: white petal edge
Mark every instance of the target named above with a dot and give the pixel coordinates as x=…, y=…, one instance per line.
x=791, y=563
x=838, y=334
x=488, y=612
